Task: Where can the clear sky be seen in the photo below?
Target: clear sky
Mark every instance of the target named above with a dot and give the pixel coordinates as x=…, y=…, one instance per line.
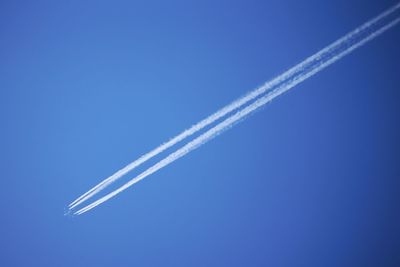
x=88, y=86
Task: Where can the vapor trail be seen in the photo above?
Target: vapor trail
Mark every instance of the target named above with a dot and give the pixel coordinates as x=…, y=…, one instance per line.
x=231, y=107
x=272, y=89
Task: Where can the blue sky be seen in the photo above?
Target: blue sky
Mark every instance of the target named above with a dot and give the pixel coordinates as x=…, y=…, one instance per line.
x=87, y=87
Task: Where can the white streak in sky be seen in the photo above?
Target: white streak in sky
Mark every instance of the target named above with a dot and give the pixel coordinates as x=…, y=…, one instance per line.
x=262, y=96
x=233, y=106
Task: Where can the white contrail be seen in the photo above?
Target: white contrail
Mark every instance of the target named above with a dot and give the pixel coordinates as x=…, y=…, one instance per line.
x=349, y=38
x=239, y=115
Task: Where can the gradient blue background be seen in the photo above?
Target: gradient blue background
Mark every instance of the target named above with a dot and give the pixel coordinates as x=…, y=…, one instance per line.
x=88, y=86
